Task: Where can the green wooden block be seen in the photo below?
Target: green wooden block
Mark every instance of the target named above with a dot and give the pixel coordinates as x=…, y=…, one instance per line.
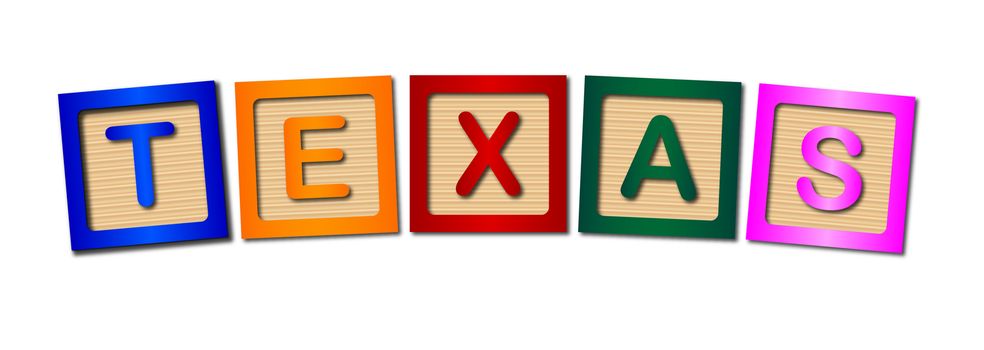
x=660, y=157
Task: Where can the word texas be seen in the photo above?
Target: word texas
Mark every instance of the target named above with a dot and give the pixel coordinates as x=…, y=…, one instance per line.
x=487, y=154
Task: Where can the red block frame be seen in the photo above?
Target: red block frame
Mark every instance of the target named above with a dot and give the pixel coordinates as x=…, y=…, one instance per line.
x=555, y=219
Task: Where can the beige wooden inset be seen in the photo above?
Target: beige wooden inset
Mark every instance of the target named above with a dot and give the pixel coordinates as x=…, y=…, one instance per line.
x=450, y=152
x=698, y=123
x=358, y=169
x=876, y=131
x=178, y=169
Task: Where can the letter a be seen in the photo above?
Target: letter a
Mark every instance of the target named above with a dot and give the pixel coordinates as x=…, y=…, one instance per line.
x=660, y=127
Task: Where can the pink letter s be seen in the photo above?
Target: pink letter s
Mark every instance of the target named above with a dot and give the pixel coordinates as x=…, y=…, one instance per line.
x=847, y=174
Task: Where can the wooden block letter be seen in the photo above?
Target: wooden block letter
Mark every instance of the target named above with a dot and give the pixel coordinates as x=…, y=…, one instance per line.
x=488, y=153
x=831, y=168
x=316, y=157
x=143, y=165
x=660, y=157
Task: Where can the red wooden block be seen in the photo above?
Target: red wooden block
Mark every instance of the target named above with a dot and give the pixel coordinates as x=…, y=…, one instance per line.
x=488, y=153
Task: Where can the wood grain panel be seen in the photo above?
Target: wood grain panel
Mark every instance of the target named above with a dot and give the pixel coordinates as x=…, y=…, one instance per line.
x=110, y=182
x=876, y=131
x=698, y=122
x=450, y=152
x=358, y=169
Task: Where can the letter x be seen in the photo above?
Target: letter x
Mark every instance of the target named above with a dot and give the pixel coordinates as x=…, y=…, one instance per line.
x=488, y=155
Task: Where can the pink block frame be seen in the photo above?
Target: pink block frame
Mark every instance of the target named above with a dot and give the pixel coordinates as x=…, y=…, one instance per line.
x=892, y=240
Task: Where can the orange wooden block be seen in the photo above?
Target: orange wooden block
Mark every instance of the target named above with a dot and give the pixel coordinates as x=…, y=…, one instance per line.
x=316, y=157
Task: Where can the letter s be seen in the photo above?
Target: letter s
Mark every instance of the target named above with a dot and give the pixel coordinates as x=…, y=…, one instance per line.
x=846, y=173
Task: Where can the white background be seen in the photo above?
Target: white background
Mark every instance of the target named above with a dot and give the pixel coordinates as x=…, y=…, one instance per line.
x=466, y=291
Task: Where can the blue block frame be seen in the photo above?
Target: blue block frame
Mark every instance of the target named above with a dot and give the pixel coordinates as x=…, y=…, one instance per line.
x=216, y=221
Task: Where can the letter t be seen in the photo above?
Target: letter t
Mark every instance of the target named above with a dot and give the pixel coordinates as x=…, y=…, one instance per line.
x=140, y=135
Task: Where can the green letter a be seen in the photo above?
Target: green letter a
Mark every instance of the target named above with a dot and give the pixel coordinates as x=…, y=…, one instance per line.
x=659, y=127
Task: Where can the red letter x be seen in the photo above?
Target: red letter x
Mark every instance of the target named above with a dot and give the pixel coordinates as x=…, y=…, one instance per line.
x=488, y=154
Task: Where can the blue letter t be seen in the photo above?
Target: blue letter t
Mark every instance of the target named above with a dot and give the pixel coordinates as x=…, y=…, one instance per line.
x=140, y=135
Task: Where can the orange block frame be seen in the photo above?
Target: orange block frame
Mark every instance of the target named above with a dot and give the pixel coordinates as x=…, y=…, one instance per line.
x=253, y=226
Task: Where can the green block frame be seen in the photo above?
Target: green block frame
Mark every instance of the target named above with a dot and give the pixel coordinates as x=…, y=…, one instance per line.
x=595, y=90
